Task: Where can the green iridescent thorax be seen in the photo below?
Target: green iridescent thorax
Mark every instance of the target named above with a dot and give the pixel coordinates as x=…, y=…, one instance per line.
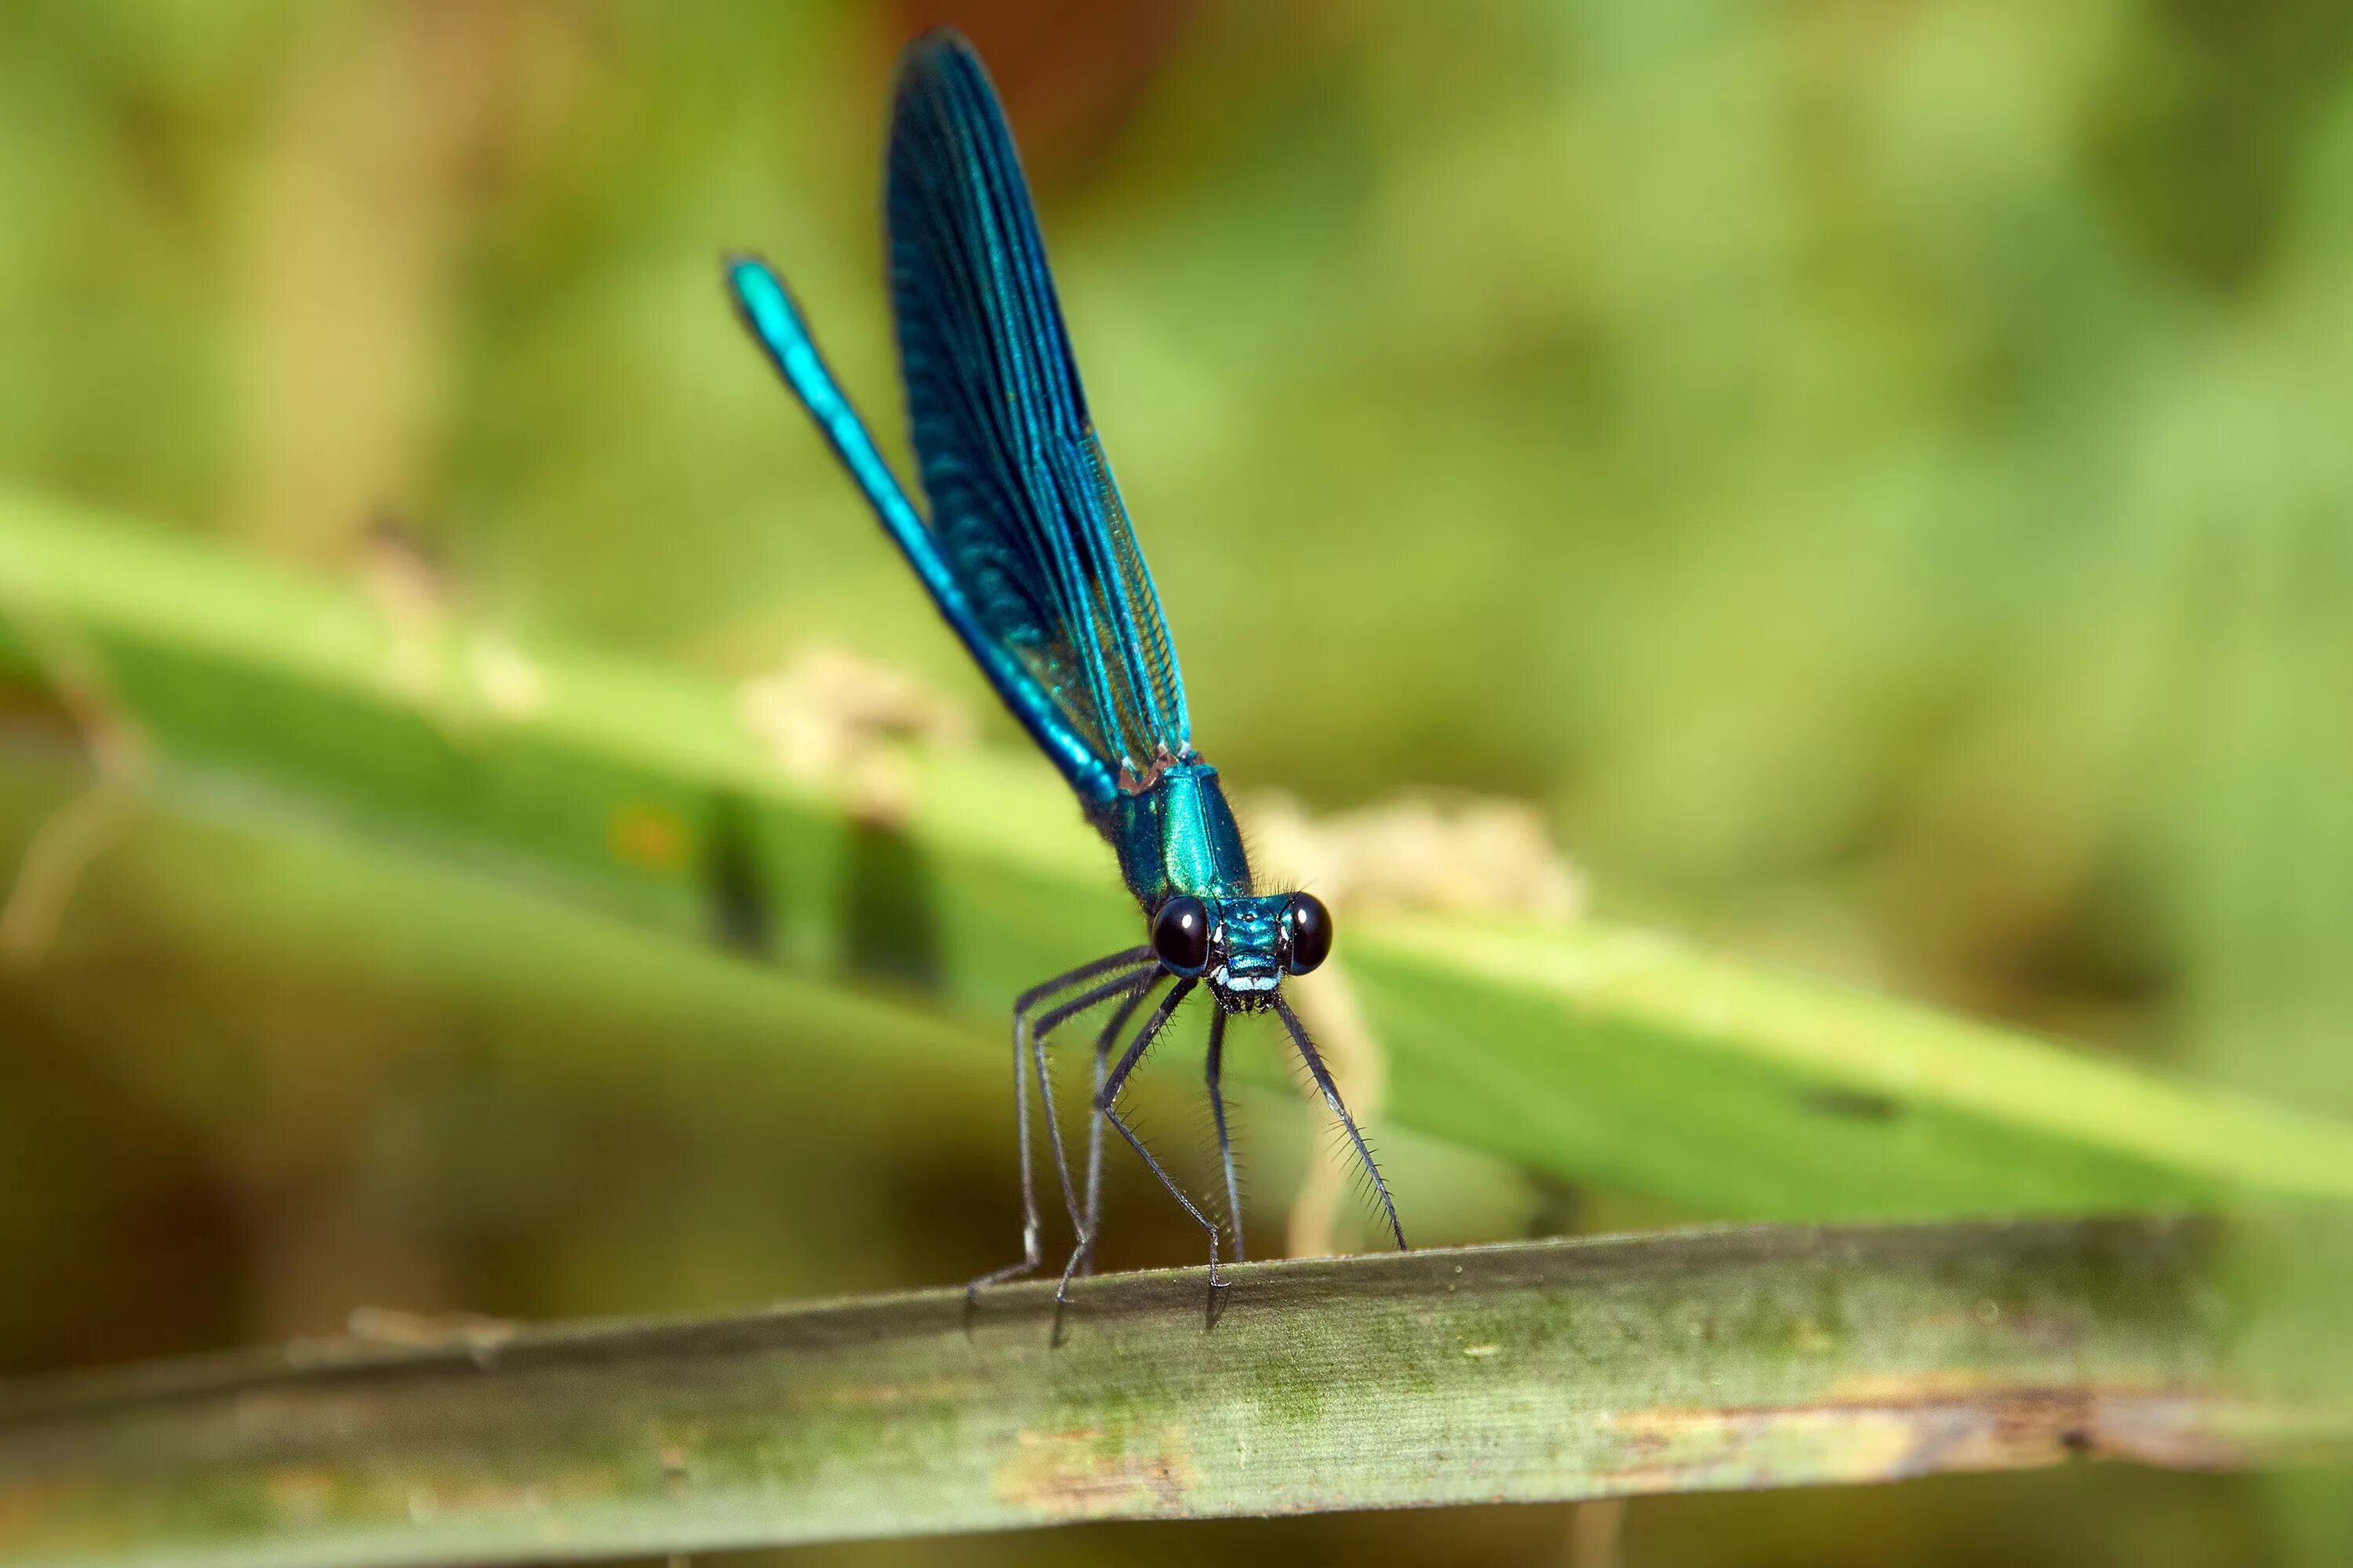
x=1179, y=836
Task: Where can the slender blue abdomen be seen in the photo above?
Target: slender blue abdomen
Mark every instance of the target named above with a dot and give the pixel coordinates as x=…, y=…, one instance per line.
x=768, y=309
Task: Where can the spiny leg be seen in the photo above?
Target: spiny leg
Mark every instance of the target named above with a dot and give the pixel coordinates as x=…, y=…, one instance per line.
x=1091, y=1228
x=1034, y=1035
x=1106, y=1104
x=1332, y=1097
x=1130, y=985
x=1032, y=1253
x=1216, y=1064
x=1126, y=958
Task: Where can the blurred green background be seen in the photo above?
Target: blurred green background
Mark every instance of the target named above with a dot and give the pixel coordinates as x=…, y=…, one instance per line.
x=1875, y=476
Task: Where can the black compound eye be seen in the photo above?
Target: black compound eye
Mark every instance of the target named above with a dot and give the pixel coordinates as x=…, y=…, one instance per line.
x=1180, y=933
x=1306, y=933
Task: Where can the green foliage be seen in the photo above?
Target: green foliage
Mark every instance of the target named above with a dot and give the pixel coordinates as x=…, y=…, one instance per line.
x=1603, y=1055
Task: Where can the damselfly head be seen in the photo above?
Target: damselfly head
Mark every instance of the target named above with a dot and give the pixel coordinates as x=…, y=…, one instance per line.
x=1243, y=947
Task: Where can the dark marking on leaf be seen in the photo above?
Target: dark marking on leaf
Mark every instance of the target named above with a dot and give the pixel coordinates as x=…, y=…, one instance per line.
x=1854, y=1105
x=735, y=888
x=890, y=926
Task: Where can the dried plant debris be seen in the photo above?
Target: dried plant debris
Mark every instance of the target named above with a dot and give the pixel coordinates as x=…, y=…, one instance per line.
x=1427, y=851
x=847, y=725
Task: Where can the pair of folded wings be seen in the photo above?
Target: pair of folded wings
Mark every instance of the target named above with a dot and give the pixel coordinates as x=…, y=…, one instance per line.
x=1023, y=509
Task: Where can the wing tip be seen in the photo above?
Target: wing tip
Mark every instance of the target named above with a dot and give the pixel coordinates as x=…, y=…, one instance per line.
x=935, y=52
x=933, y=42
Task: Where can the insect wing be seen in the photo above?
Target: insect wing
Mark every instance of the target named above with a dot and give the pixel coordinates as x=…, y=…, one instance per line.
x=1023, y=504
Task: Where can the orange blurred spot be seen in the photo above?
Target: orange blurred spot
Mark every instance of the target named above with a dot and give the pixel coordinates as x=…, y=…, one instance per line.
x=648, y=836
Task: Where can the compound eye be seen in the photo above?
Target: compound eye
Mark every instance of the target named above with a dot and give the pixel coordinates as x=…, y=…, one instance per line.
x=1180, y=933
x=1306, y=933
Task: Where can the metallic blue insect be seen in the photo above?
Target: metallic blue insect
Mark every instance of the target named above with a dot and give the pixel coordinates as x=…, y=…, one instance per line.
x=1029, y=557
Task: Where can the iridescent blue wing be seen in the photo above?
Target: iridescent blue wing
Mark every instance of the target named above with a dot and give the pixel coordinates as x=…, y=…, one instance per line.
x=1023, y=504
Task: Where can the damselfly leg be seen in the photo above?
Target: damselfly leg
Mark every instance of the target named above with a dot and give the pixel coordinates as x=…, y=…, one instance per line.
x=1130, y=970
x=1213, y=1070
x=1331, y=1091
x=1091, y=1228
x=1130, y=977
x=1107, y=1106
